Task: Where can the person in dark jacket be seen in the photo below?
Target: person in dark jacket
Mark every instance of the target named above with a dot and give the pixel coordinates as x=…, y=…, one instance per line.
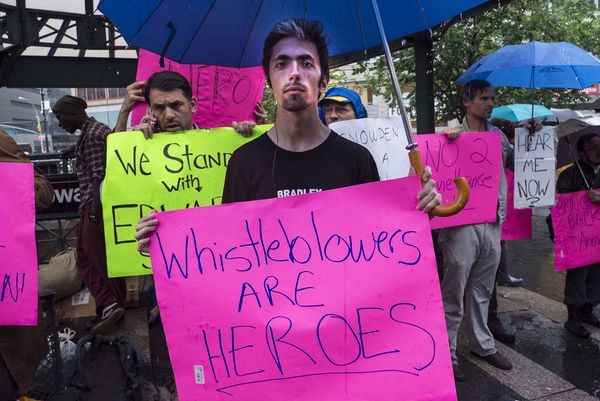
x=582, y=285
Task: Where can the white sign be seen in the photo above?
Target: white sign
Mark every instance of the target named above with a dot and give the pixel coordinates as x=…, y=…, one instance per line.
x=386, y=140
x=535, y=166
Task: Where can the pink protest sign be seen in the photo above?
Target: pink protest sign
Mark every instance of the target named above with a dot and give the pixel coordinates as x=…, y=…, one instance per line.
x=289, y=299
x=474, y=156
x=576, y=223
x=518, y=223
x=224, y=94
x=18, y=266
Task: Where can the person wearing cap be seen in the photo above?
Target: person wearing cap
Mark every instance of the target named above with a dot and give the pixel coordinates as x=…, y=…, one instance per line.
x=90, y=156
x=341, y=104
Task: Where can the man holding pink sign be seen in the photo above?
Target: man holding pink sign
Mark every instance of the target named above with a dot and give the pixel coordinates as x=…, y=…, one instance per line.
x=471, y=252
x=222, y=95
x=582, y=284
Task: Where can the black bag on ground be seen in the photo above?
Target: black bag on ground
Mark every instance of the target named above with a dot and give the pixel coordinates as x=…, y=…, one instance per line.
x=108, y=369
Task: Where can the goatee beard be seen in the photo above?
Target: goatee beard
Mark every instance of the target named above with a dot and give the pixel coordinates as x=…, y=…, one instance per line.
x=294, y=103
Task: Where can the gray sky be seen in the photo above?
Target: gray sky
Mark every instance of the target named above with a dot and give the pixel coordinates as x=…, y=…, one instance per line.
x=71, y=6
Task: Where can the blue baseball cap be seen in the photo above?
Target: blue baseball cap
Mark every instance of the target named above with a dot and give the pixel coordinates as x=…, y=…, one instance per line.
x=343, y=95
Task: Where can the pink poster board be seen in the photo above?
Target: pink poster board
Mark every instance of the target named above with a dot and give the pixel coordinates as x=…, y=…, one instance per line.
x=289, y=299
x=518, y=223
x=576, y=223
x=18, y=256
x=475, y=156
x=224, y=94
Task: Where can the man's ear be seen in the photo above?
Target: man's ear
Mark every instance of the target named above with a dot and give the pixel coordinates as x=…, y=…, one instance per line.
x=194, y=104
x=322, y=86
x=466, y=103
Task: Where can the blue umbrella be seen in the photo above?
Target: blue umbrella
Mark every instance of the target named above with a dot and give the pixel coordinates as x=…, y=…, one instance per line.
x=537, y=65
x=232, y=32
x=520, y=112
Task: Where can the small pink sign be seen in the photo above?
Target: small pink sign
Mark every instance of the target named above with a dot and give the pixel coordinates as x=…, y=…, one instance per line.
x=576, y=223
x=518, y=223
x=289, y=299
x=224, y=94
x=18, y=256
x=474, y=156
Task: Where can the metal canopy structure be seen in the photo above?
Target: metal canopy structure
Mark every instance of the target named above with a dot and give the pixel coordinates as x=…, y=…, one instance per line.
x=67, y=43
x=61, y=44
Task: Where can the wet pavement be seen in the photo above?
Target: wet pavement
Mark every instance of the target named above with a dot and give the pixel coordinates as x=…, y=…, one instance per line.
x=533, y=260
x=481, y=386
x=548, y=344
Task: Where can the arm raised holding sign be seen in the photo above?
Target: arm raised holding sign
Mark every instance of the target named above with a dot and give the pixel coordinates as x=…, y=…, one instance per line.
x=134, y=93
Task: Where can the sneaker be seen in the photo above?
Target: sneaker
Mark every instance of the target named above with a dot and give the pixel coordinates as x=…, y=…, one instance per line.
x=110, y=316
x=500, y=332
x=497, y=360
x=459, y=375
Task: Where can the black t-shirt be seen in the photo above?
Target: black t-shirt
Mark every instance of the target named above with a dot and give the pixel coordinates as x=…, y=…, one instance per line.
x=262, y=170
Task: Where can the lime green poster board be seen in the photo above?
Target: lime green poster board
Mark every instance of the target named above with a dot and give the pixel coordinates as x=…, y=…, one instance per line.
x=170, y=171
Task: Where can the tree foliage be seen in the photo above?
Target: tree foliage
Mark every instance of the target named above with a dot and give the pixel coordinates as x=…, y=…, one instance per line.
x=519, y=21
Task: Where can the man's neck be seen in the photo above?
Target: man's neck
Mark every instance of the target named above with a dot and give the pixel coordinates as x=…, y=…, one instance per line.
x=298, y=131
x=81, y=121
x=475, y=124
x=595, y=168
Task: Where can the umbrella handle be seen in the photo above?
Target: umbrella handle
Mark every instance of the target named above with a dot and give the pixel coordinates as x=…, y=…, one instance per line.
x=462, y=188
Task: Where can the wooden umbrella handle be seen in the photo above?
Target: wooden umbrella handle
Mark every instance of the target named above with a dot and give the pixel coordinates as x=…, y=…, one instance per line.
x=462, y=187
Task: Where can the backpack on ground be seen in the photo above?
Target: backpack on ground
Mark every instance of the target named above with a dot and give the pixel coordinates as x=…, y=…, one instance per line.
x=108, y=368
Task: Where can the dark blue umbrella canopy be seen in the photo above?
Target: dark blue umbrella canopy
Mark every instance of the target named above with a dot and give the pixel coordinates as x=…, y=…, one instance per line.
x=232, y=32
x=537, y=65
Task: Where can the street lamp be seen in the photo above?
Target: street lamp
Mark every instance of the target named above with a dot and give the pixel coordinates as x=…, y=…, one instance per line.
x=37, y=117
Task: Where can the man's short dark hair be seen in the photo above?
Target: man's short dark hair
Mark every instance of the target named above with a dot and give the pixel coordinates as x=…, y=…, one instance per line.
x=473, y=88
x=585, y=139
x=167, y=81
x=301, y=29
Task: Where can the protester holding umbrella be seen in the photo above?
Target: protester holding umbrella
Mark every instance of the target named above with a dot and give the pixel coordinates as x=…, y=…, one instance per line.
x=582, y=285
x=366, y=25
x=296, y=151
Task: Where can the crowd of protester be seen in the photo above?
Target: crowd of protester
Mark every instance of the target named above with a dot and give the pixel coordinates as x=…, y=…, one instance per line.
x=300, y=151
